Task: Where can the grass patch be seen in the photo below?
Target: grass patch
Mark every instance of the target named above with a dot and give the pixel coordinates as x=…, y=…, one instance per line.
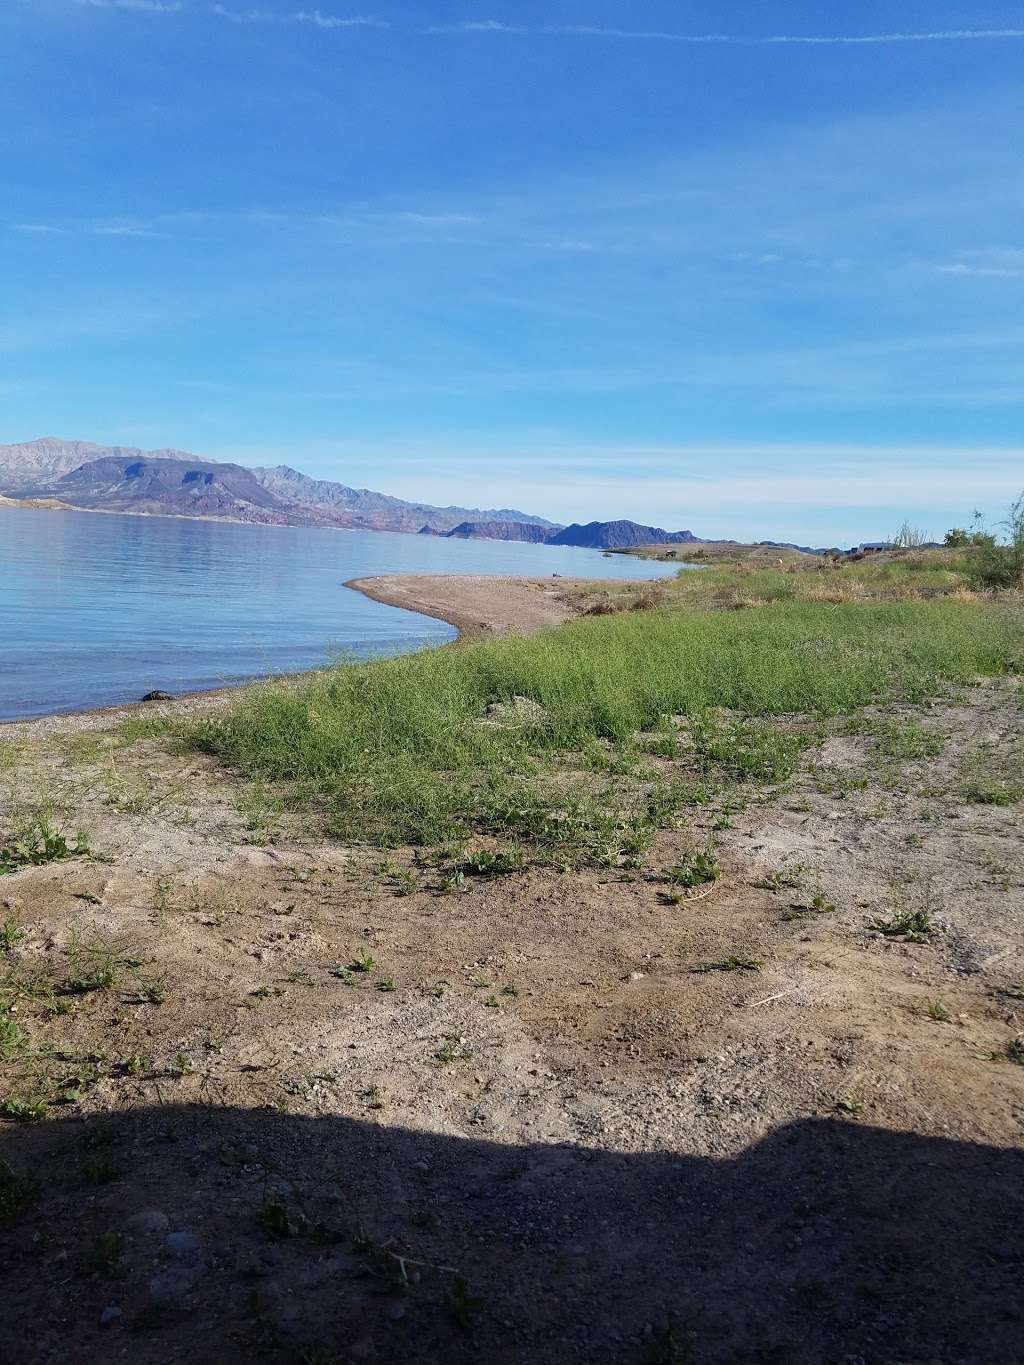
x=395, y=751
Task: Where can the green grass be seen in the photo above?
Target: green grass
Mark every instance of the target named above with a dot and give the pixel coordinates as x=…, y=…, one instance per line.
x=395, y=751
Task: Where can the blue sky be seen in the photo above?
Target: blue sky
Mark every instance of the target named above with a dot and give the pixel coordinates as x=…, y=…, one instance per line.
x=755, y=269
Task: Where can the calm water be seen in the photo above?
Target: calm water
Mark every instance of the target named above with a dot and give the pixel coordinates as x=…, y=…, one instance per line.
x=96, y=610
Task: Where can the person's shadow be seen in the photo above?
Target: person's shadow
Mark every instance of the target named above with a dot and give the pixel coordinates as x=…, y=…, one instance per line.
x=222, y=1235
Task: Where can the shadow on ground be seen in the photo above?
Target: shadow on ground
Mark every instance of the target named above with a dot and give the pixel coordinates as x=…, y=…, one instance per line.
x=212, y=1234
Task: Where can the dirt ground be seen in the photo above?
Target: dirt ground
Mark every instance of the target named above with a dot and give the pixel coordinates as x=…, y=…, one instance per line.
x=533, y=1130
x=483, y=604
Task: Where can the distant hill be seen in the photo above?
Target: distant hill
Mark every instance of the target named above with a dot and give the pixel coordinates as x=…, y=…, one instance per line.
x=377, y=511
x=619, y=535
x=175, y=483
x=186, y=487
x=502, y=530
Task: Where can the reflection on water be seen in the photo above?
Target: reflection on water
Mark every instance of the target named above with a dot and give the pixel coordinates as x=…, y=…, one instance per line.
x=97, y=609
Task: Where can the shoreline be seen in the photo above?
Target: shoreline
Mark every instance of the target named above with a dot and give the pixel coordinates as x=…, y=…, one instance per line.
x=475, y=605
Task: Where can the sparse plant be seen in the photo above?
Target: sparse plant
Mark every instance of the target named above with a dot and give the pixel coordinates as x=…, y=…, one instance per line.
x=10, y=934
x=670, y=1344
x=405, y=882
x=784, y=879
x=731, y=963
x=846, y=1104
x=18, y=1193
x=936, y=1010
x=912, y=926
x=488, y=862
x=364, y=963
x=696, y=869
x=41, y=842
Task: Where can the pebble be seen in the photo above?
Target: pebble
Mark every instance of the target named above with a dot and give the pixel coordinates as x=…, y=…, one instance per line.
x=110, y=1315
x=183, y=1245
x=169, y=1285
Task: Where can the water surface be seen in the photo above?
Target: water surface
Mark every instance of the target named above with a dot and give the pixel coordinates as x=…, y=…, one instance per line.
x=95, y=609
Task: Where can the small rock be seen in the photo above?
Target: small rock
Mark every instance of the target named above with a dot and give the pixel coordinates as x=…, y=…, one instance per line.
x=157, y=695
x=110, y=1315
x=396, y=1311
x=148, y=1221
x=169, y=1286
x=183, y=1245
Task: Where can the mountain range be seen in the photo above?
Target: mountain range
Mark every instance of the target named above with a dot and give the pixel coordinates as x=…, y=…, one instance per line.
x=175, y=483
x=79, y=474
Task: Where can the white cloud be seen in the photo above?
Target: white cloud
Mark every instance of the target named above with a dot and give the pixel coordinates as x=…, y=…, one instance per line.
x=43, y=228
x=136, y=6
x=314, y=17
x=728, y=39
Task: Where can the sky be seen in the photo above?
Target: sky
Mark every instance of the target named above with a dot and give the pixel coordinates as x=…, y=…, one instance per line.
x=751, y=269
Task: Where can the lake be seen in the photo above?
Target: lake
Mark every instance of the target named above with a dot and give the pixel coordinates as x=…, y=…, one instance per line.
x=96, y=609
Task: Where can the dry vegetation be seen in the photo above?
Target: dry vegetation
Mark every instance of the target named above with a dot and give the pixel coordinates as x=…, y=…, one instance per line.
x=650, y=990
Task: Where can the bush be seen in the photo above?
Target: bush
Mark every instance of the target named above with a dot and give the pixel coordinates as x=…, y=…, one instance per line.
x=1001, y=564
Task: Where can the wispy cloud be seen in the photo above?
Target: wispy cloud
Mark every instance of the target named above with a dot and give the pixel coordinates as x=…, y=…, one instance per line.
x=123, y=230
x=44, y=229
x=318, y=19
x=314, y=17
x=137, y=6
x=1003, y=263
x=726, y=39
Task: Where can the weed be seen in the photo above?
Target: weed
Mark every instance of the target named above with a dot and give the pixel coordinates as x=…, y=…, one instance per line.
x=363, y=964
x=913, y=926
x=278, y=1221
x=42, y=842
x=819, y=905
x=405, y=882
x=936, y=1010
x=10, y=935
x=453, y=882
x=493, y=863
x=388, y=984
x=18, y=1193
x=101, y=1169
x=453, y=1049
x=1012, y=1052
x=103, y=962
x=13, y=1038
x=103, y=1257
x=463, y=1307
x=847, y=1105
x=906, y=740
x=182, y=1064
x=783, y=879
x=670, y=1345
x=732, y=963
x=697, y=868
x=25, y=1111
